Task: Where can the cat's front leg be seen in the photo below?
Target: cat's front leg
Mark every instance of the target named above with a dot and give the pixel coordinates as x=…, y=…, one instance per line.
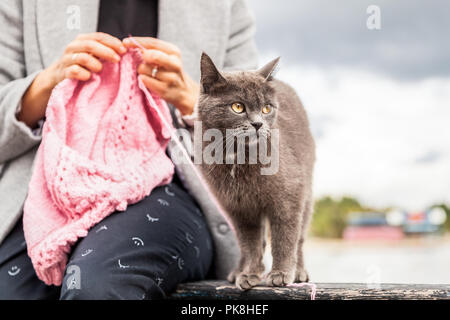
x=285, y=232
x=251, y=267
x=301, y=275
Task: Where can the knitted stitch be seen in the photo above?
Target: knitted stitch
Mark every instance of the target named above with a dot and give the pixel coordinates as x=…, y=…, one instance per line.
x=103, y=147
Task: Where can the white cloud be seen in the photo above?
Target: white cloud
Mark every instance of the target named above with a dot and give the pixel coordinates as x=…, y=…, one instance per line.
x=373, y=132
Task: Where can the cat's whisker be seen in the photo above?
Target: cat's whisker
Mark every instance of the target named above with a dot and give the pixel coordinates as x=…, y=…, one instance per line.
x=226, y=146
x=215, y=144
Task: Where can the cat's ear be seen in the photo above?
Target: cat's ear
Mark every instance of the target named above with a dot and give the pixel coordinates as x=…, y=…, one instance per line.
x=269, y=70
x=209, y=73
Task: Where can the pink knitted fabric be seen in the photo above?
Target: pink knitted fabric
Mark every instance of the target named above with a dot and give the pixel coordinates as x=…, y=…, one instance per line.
x=103, y=147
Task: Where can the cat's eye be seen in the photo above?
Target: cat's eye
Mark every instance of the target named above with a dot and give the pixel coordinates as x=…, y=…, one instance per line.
x=266, y=109
x=237, y=107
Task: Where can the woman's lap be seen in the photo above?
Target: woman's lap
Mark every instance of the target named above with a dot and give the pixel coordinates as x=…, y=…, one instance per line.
x=17, y=277
x=142, y=253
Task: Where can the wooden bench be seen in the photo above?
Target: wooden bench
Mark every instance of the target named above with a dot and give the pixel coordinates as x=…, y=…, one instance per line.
x=222, y=290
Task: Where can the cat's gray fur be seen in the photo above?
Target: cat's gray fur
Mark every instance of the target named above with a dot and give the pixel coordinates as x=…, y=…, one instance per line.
x=284, y=199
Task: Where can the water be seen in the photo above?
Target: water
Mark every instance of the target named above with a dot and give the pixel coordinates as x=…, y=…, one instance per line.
x=417, y=260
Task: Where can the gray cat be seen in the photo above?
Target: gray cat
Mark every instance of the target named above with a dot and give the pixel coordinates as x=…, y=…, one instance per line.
x=254, y=100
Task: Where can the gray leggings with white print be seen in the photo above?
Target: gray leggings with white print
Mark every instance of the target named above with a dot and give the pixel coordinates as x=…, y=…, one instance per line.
x=141, y=253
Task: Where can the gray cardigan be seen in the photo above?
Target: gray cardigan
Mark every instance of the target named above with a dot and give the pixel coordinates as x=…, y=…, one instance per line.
x=35, y=33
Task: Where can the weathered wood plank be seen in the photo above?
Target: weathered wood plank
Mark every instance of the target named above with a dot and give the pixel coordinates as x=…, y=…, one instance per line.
x=221, y=290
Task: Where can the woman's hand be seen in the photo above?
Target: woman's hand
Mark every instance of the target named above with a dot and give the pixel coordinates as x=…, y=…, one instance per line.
x=168, y=80
x=80, y=59
x=82, y=56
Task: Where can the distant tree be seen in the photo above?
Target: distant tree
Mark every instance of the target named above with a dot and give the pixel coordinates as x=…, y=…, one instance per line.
x=330, y=216
x=447, y=211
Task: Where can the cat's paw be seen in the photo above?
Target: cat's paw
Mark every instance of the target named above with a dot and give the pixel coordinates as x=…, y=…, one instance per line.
x=301, y=275
x=277, y=278
x=232, y=276
x=245, y=281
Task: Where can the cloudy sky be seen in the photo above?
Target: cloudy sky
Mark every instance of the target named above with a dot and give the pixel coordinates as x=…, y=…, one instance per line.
x=378, y=100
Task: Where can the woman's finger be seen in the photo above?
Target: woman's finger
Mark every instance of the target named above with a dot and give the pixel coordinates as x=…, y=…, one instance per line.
x=106, y=39
x=76, y=72
x=171, y=79
x=162, y=59
x=155, y=85
x=95, y=48
x=153, y=43
x=85, y=60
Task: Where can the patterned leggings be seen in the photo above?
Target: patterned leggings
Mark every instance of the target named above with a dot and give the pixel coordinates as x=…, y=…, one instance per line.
x=141, y=253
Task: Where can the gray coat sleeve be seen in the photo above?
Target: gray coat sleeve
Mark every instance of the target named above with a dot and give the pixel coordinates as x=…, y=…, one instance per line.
x=242, y=53
x=15, y=137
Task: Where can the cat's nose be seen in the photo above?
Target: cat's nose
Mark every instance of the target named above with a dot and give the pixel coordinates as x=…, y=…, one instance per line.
x=257, y=125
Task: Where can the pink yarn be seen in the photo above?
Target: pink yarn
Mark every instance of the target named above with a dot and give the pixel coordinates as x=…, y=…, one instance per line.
x=306, y=284
x=103, y=148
